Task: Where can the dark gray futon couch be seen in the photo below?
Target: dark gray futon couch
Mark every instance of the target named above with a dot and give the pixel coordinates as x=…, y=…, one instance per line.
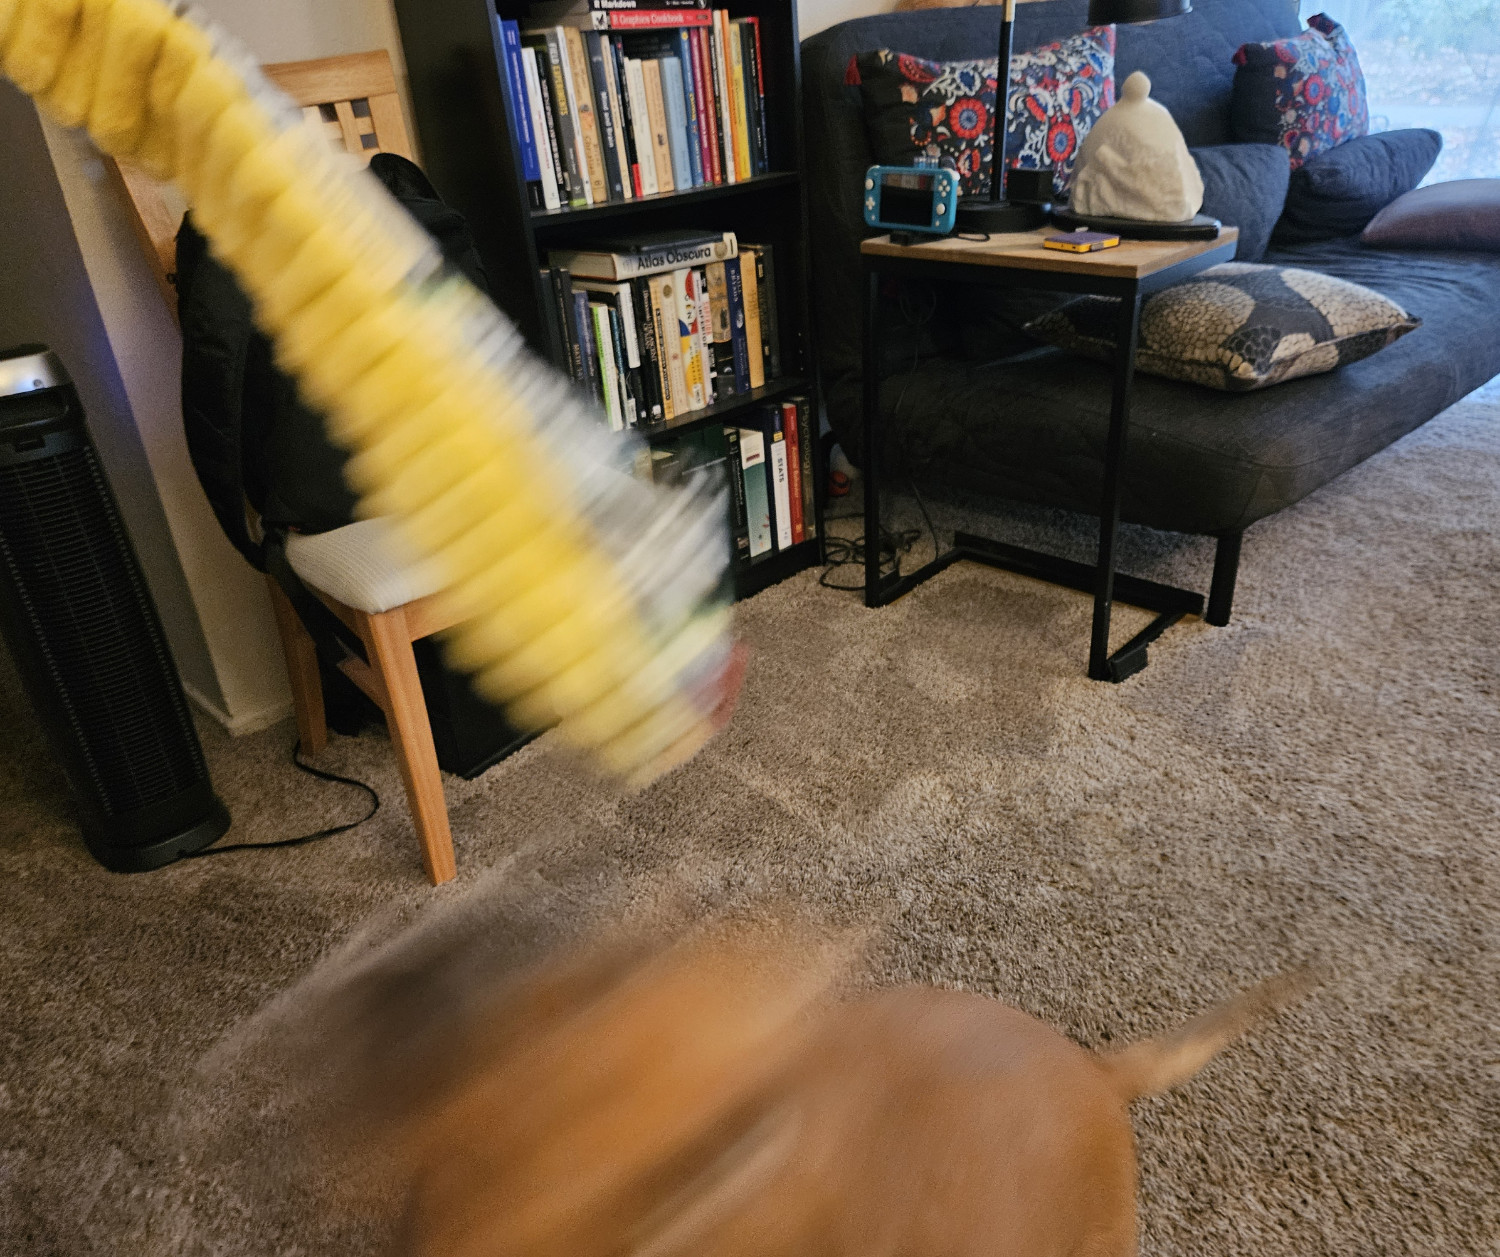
x=1032, y=427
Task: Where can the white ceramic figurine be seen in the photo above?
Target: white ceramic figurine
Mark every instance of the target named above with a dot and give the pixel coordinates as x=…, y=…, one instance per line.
x=1135, y=164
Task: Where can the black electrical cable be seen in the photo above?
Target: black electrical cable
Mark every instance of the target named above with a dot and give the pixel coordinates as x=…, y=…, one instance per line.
x=305, y=838
x=847, y=552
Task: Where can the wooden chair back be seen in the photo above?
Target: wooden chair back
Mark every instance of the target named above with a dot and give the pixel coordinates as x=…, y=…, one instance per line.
x=351, y=99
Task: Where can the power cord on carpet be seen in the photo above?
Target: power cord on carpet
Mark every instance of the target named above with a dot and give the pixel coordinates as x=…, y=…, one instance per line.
x=322, y=775
x=850, y=552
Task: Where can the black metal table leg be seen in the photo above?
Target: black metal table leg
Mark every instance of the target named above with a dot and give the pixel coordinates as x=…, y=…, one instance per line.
x=1127, y=328
x=871, y=440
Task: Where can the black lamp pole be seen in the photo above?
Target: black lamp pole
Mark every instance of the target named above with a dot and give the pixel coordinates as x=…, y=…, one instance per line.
x=995, y=214
x=1001, y=119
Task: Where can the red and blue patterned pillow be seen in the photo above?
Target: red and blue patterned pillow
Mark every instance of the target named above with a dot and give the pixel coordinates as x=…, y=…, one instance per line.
x=1306, y=93
x=942, y=109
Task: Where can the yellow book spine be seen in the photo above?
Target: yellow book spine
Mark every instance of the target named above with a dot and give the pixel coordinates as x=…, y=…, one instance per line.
x=586, y=118
x=741, y=112
x=754, y=342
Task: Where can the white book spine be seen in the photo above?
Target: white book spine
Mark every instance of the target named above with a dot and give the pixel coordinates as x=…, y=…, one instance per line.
x=782, y=487
x=627, y=316
x=550, y=196
x=705, y=334
x=687, y=331
x=640, y=123
x=726, y=113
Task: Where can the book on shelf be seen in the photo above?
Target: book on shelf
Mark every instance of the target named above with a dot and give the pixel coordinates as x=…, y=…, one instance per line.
x=660, y=251
x=656, y=116
x=766, y=466
x=518, y=98
x=551, y=70
x=548, y=186
x=771, y=422
x=614, y=171
x=807, y=435
x=739, y=526
x=552, y=10
x=612, y=103
x=777, y=508
x=691, y=327
x=757, y=492
x=635, y=19
x=791, y=429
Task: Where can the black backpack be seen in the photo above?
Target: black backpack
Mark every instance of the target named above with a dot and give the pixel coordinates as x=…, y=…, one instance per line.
x=251, y=439
x=248, y=434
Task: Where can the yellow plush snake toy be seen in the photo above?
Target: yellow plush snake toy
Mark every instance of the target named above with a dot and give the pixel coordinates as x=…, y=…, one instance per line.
x=584, y=597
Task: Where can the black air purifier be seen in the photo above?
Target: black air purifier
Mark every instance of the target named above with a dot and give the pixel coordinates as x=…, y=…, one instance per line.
x=85, y=635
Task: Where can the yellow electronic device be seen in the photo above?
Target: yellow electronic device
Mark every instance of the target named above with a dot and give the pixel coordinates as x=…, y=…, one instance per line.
x=1082, y=242
x=584, y=598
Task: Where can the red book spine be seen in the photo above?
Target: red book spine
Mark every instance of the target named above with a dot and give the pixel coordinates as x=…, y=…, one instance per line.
x=704, y=69
x=699, y=83
x=648, y=19
x=794, y=469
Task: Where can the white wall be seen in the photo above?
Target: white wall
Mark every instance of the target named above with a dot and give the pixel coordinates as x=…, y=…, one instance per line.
x=816, y=15
x=46, y=295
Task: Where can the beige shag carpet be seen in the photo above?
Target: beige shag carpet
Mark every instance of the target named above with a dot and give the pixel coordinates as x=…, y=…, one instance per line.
x=1318, y=781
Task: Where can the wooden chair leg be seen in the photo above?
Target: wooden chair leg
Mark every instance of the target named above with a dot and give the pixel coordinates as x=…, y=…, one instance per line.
x=302, y=672
x=388, y=641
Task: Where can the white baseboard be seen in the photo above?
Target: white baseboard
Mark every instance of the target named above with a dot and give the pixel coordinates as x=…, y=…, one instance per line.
x=239, y=726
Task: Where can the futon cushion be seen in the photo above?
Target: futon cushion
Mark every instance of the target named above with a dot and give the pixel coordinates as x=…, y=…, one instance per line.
x=1464, y=214
x=1240, y=327
x=1306, y=93
x=943, y=109
x=1337, y=193
x=1244, y=186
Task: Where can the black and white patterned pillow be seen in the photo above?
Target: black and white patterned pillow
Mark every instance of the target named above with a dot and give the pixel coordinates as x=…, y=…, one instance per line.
x=1239, y=326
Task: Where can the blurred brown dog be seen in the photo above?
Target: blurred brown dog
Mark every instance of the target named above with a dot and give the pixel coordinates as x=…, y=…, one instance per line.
x=710, y=1097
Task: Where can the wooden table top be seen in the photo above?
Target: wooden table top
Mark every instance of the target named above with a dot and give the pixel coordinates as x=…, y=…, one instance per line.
x=1133, y=259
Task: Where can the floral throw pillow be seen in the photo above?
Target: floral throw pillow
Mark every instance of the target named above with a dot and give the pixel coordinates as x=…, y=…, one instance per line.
x=1306, y=93
x=943, y=109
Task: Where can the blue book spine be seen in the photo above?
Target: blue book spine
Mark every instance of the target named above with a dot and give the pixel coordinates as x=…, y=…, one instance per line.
x=738, y=337
x=584, y=322
x=520, y=106
x=677, y=133
x=690, y=99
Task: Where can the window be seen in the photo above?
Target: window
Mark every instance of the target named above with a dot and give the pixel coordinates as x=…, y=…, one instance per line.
x=1436, y=64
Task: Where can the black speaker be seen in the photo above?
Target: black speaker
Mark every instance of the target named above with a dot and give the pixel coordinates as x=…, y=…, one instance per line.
x=79, y=620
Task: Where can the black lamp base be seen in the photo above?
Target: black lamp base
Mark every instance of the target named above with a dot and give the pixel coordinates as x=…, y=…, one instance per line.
x=996, y=218
x=1200, y=228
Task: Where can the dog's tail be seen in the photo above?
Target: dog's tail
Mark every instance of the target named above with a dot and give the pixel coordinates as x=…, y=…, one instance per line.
x=1156, y=1065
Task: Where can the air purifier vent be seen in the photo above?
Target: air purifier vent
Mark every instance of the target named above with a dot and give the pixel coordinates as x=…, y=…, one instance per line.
x=79, y=618
x=70, y=564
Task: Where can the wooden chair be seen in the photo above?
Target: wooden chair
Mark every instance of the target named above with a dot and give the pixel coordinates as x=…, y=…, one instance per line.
x=387, y=604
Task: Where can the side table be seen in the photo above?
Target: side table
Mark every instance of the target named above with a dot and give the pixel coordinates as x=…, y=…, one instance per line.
x=1131, y=272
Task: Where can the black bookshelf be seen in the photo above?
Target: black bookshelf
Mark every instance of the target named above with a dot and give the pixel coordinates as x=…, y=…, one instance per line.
x=468, y=145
